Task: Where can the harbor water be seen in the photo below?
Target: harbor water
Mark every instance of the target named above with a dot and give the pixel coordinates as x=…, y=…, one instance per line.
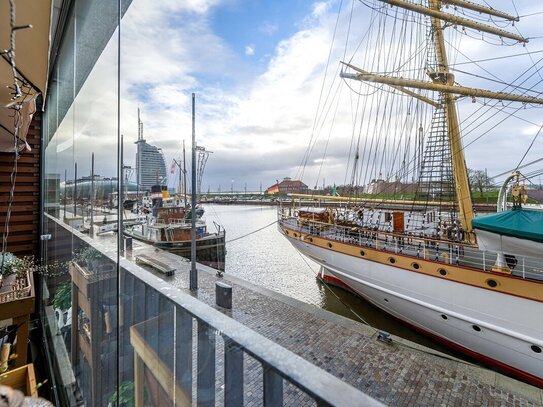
x=258, y=253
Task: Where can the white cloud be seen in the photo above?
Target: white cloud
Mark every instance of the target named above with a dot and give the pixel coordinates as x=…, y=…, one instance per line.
x=320, y=9
x=194, y=6
x=258, y=127
x=268, y=28
x=249, y=50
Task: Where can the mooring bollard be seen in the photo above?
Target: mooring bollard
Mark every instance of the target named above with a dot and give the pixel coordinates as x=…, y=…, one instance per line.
x=128, y=244
x=223, y=295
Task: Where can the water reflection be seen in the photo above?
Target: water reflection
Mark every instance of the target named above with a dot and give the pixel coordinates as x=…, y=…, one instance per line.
x=265, y=258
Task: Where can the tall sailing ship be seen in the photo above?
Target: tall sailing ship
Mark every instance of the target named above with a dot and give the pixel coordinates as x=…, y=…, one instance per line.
x=405, y=236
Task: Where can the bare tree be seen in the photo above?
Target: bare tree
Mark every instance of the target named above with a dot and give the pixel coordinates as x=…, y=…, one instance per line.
x=479, y=180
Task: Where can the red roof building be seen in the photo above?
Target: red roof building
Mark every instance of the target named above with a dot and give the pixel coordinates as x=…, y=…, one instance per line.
x=288, y=186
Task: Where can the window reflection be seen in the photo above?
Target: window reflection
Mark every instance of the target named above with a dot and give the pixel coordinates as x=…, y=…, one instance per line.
x=80, y=301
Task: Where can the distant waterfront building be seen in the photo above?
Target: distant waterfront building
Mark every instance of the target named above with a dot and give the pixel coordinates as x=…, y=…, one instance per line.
x=380, y=186
x=103, y=188
x=288, y=186
x=150, y=165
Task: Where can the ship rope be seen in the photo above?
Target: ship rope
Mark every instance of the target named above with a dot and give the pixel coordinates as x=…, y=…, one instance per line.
x=375, y=329
x=253, y=232
x=247, y=234
x=529, y=148
x=21, y=91
x=396, y=145
x=307, y=155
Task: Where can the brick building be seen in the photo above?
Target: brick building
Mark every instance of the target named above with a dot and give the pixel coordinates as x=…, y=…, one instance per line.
x=288, y=186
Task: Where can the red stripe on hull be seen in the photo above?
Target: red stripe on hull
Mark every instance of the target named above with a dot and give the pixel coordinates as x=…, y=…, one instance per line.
x=337, y=282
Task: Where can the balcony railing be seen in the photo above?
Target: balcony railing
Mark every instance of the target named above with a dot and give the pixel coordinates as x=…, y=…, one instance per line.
x=193, y=326
x=189, y=350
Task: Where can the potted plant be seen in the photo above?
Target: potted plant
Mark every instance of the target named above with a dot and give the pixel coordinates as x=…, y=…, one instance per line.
x=90, y=258
x=93, y=260
x=9, y=264
x=124, y=396
x=16, y=303
x=17, y=273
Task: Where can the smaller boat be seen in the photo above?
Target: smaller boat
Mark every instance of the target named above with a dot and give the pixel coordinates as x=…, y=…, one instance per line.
x=169, y=228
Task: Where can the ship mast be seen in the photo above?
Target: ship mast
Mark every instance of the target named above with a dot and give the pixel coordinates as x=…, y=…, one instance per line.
x=442, y=81
x=460, y=172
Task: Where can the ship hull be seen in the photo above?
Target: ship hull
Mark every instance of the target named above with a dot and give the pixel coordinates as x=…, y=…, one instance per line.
x=497, y=328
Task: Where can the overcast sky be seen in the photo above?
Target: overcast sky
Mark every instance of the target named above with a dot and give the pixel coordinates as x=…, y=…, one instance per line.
x=257, y=68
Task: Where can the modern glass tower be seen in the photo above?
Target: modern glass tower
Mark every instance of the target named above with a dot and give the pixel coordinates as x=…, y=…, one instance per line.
x=150, y=165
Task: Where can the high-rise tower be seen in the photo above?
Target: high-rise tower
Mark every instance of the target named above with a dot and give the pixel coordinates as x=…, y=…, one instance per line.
x=150, y=165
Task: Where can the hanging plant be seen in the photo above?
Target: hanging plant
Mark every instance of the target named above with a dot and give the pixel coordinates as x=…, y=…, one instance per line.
x=124, y=396
x=90, y=257
x=9, y=264
x=63, y=297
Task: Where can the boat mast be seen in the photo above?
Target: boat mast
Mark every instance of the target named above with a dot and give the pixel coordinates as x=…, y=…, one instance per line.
x=442, y=81
x=184, y=174
x=460, y=172
x=91, y=230
x=193, y=277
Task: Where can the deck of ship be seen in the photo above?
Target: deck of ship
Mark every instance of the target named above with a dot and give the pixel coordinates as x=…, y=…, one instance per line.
x=399, y=374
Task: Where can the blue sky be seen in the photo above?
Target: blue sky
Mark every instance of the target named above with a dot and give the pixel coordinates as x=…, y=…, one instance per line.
x=257, y=68
x=253, y=27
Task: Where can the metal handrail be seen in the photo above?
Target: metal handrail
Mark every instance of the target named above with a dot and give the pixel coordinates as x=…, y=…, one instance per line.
x=279, y=364
x=325, y=388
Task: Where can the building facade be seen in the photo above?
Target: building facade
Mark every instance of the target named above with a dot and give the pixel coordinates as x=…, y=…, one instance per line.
x=288, y=186
x=151, y=168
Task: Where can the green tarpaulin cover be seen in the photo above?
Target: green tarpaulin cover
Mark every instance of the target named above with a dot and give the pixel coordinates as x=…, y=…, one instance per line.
x=520, y=223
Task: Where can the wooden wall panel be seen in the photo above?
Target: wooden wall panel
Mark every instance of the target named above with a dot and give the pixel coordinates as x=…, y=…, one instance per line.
x=24, y=225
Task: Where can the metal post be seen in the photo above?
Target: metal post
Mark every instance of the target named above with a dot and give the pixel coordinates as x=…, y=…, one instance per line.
x=205, y=376
x=120, y=175
x=65, y=191
x=193, y=272
x=273, y=387
x=91, y=230
x=233, y=374
x=75, y=190
x=183, y=343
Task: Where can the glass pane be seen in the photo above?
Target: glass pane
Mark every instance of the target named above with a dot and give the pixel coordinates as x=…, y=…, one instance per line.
x=80, y=294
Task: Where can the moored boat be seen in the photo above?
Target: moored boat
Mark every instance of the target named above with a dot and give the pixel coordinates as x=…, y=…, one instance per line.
x=169, y=228
x=473, y=283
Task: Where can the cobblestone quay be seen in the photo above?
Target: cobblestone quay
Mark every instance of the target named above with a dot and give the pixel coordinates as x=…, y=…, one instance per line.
x=397, y=374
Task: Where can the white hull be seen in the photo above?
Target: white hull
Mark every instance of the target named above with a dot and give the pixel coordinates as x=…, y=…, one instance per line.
x=509, y=325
